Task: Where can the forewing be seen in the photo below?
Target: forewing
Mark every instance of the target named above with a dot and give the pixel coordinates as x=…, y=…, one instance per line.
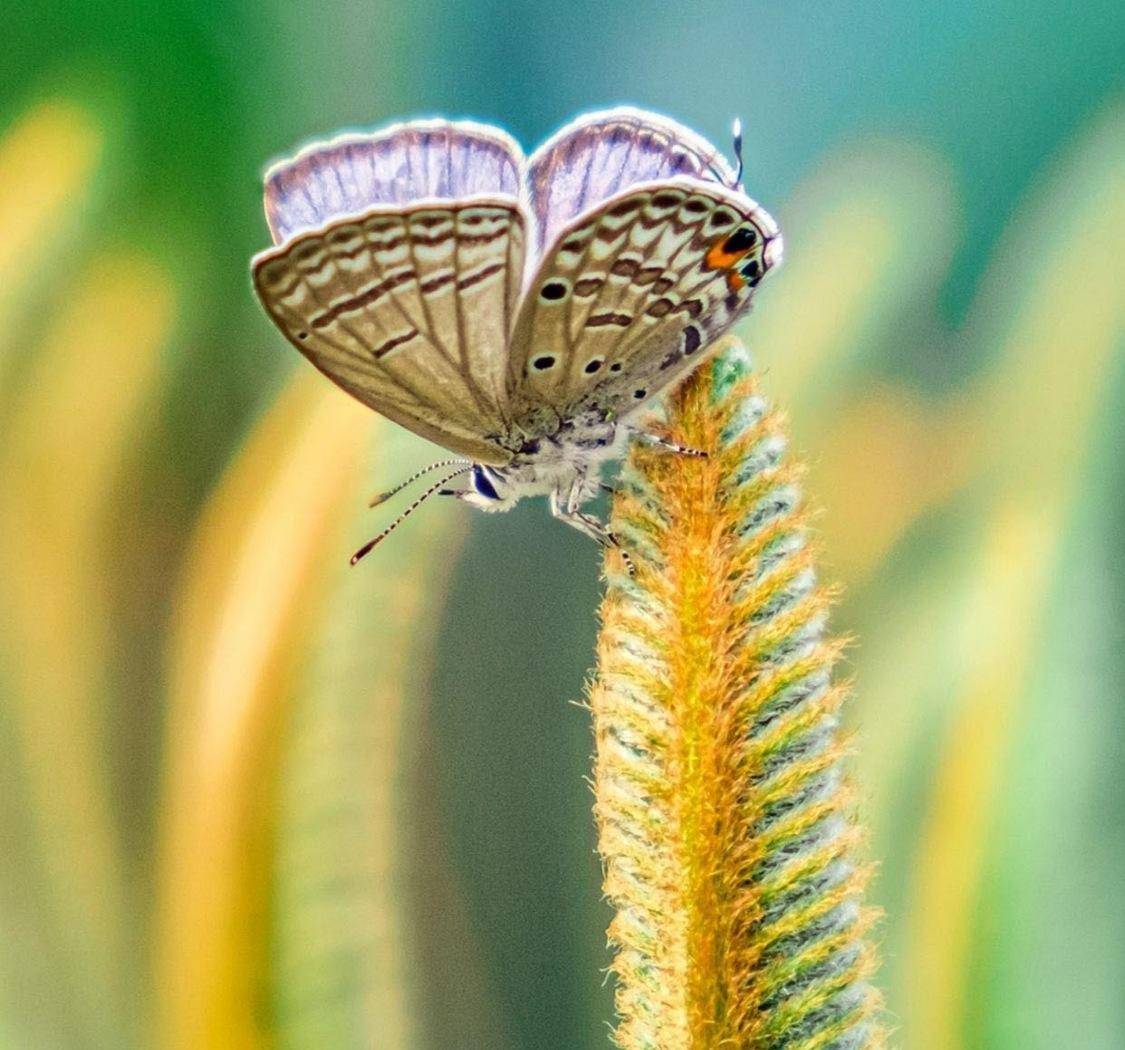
x=409, y=310
x=401, y=164
x=629, y=298
x=603, y=154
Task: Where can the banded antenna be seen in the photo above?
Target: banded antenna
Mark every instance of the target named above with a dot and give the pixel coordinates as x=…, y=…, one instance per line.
x=382, y=497
x=370, y=545
x=736, y=134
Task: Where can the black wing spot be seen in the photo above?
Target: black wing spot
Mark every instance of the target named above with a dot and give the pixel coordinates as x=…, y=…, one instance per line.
x=692, y=339
x=593, y=365
x=625, y=207
x=742, y=240
x=639, y=394
x=553, y=290
x=615, y=367
x=302, y=335
x=543, y=362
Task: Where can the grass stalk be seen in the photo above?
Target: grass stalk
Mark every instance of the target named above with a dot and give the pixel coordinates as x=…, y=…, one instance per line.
x=725, y=821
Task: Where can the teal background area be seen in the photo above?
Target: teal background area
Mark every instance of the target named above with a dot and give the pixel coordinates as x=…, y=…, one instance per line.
x=196, y=97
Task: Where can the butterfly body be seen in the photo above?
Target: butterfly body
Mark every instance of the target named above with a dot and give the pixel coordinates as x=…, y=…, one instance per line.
x=519, y=312
x=565, y=466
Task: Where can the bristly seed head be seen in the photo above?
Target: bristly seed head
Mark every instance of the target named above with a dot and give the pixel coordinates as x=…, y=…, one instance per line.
x=724, y=820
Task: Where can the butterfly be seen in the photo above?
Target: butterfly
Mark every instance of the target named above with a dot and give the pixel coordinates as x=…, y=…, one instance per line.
x=520, y=312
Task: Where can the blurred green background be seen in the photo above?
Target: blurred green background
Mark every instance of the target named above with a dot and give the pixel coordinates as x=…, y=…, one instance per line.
x=250, y=798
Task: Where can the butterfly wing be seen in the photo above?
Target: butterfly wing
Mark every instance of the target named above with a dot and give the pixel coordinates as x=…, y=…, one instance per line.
x=602, y=154
x=408, y=309
x=629, y=297
x=401, y=164
x=398, y=261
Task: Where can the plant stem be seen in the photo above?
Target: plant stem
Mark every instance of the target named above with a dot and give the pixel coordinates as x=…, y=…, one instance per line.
x=724, y=820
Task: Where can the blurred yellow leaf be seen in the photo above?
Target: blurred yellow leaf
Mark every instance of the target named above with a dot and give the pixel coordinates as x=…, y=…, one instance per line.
x=1058, y=309
x=1055, y=304
x=865, y=238
x=1008, y=585
x=70, y=428
x=282, y=910
x=891, y=457
x=361, y=879
x=46, y=158
x=250, y=596
x=862, y=237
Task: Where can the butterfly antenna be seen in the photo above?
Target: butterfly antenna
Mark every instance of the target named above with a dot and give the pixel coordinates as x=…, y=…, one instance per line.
x=736, y=133
x=372, y=544
x=382, y=497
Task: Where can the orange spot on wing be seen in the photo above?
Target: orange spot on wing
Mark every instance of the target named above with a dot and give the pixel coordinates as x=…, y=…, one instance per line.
x=718, y=258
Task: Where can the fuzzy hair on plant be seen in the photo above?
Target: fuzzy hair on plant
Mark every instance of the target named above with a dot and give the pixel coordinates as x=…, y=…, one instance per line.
x=725, y=822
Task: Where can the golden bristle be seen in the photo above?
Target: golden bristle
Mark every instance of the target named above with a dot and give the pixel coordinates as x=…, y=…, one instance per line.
x=723, y=816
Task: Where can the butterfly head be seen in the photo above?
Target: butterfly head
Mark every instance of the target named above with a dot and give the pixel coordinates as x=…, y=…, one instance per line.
x=488, y=489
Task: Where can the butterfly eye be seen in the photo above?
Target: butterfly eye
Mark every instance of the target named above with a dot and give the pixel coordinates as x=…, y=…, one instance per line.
x=483, y=485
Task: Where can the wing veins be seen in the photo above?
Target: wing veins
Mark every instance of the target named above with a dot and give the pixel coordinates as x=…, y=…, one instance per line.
x=396, y=303
x=647, y=298
x=431, y=334
x=572, y=341
x=684, y=272
x=324, y=307
x=462, y=335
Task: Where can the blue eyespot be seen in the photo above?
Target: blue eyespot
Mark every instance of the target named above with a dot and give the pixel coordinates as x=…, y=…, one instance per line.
x=483, y=485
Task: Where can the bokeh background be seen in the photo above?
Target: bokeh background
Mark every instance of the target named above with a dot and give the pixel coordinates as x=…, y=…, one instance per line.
x=250, y=798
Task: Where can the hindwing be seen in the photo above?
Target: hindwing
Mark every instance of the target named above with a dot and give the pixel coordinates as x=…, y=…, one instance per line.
x=409, y=310
x=630, y=296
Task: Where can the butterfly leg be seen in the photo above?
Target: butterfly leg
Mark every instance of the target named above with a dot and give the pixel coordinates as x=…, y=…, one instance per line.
x=654, y=440
x=588, y=525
